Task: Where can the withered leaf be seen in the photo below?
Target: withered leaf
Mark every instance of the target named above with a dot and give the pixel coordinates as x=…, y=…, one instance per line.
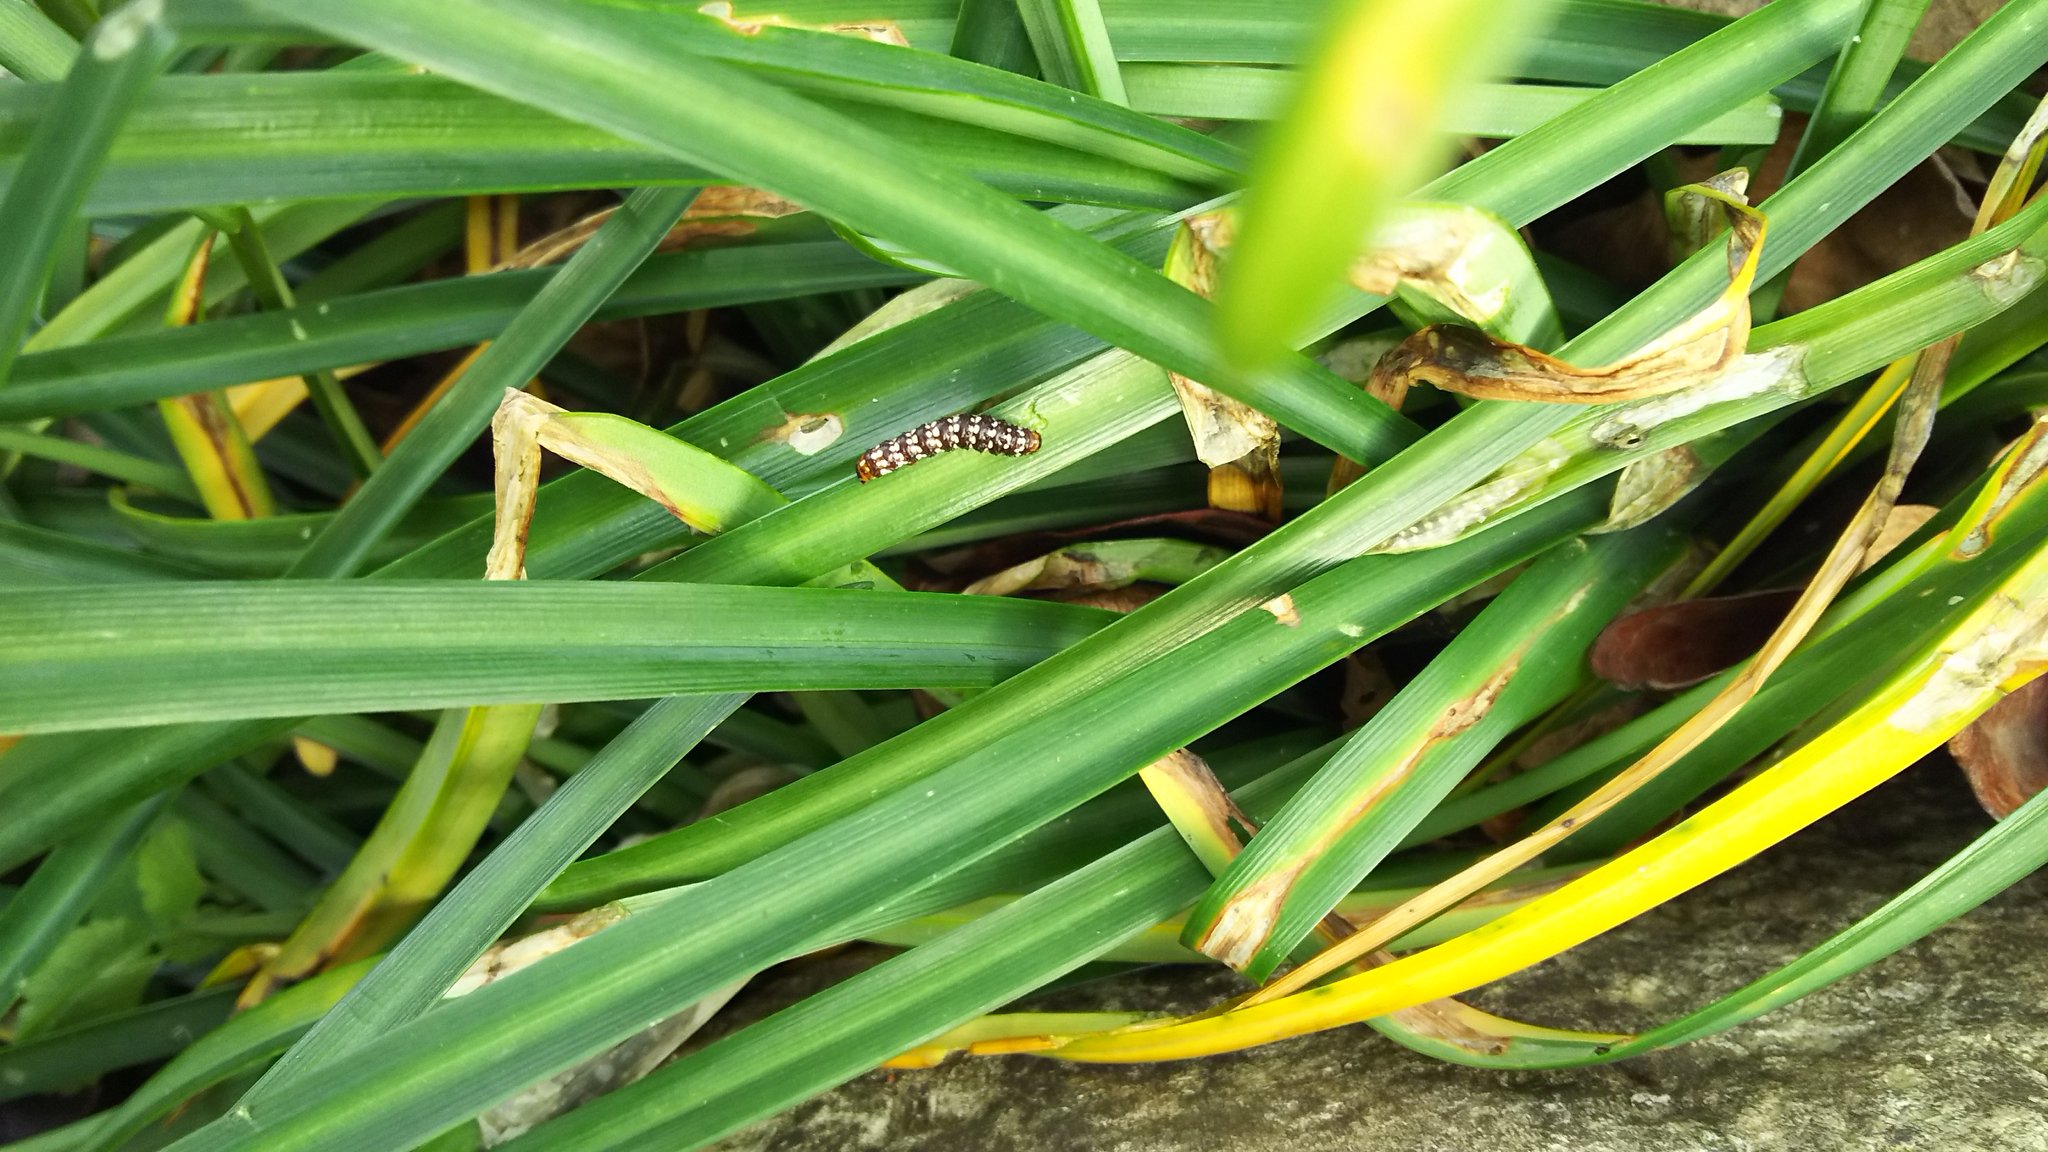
x=2004, y=752
x=1674, y=645
x=1467, y=361
x=1224, y=429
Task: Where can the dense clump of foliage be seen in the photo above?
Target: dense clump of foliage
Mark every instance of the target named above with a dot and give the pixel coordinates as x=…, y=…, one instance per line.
x=1276, y=404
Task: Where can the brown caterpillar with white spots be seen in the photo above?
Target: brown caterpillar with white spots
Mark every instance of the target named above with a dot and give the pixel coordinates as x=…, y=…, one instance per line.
x=981, y=433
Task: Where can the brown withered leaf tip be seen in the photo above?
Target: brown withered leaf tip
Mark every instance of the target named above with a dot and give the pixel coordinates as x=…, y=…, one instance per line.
x=1676, y=645
x=2004, y=752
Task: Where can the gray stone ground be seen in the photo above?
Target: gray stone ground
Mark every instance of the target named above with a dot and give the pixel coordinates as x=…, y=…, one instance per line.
x=1944, y=1046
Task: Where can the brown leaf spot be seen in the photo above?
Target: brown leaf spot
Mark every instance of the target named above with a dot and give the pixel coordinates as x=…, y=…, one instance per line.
x=1242, y=925
x=1282, y=608
x=1463, y=714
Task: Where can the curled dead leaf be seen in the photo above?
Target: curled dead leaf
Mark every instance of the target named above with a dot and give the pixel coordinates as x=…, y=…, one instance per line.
x=1074, y=568
x=1224, y=430
x=2004, y=752
x=1674, y=645
x=1467, y=361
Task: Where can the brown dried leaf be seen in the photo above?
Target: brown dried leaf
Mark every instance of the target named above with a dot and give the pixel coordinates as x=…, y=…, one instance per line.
x=1674, y=645
x=1903, y=521
x=1368, y=686
x=1126, y=599
x=721, y=210
x=1224, y=429
x=1433, y=248
x=1469, y=362
x=2004, y=752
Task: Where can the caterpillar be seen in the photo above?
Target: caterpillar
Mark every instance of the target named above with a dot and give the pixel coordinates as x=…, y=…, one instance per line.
x=981, y=433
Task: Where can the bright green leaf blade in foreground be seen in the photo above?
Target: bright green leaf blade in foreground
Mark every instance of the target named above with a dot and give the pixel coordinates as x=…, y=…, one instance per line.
x=97, y=657
x=341, y=133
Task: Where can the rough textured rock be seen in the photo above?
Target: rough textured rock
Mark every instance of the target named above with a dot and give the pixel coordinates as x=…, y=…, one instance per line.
x=1944, y=1046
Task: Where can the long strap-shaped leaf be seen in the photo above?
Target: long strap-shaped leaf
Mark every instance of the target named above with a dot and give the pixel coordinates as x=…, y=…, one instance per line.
x=331, y=135
x=99, y=657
